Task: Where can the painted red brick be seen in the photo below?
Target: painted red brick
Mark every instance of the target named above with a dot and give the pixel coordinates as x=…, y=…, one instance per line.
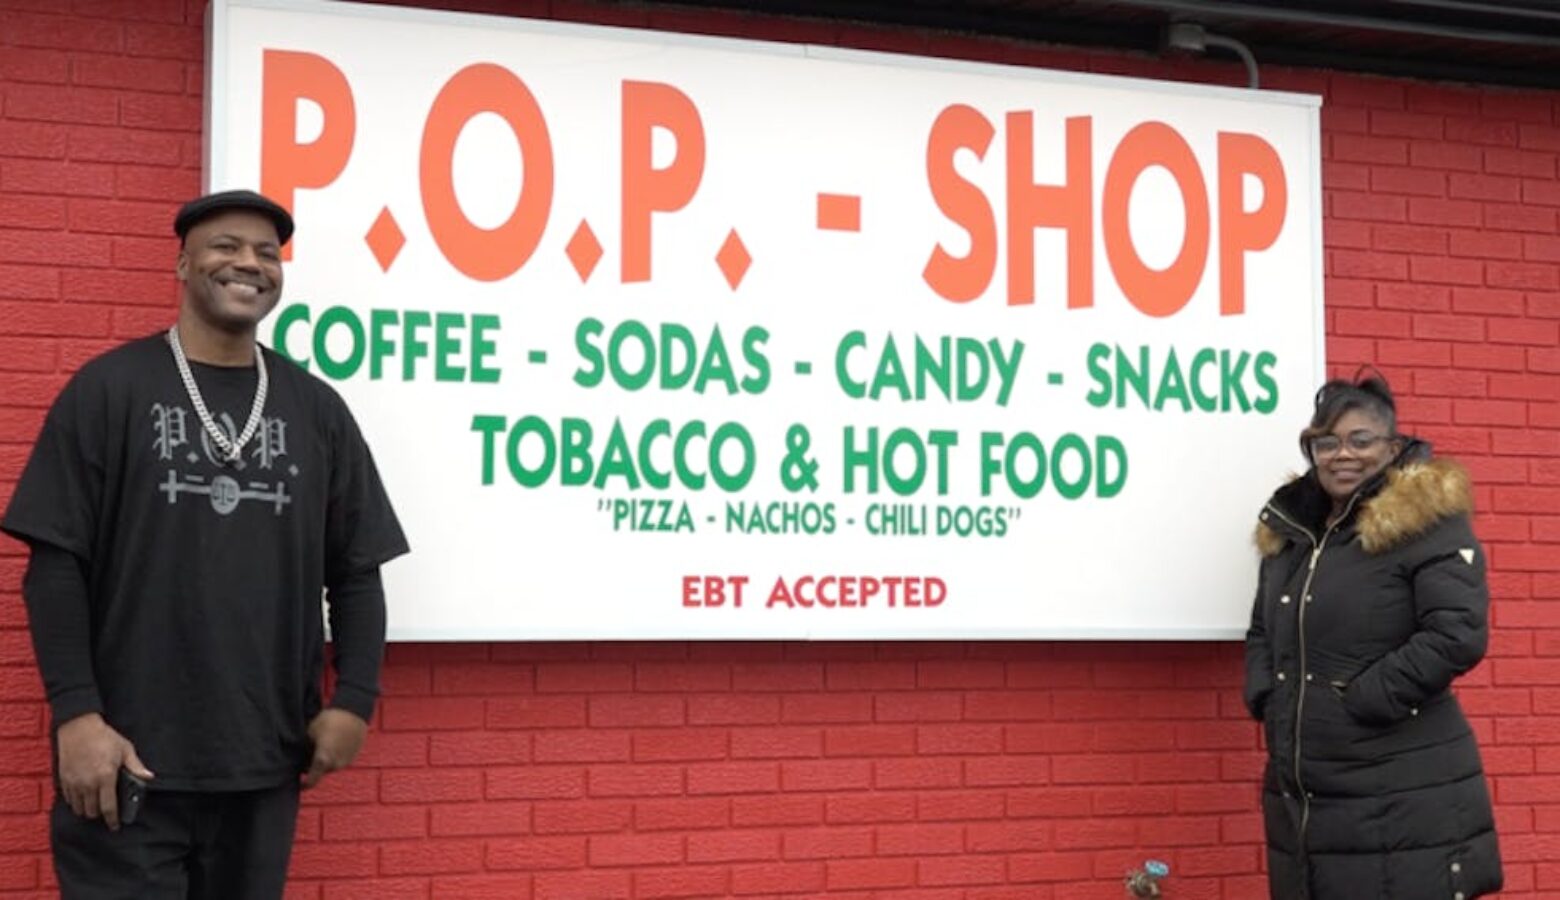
x=685, y=881
x=375, y=889
x=890, y=774
x=582, y=746
x=777, y=743
x=924, y=772
x=636, y=710
x=535, y=782
x=826, y=775
x=531, y=854
x=734, y=846
x=858, y=808
x=734, y=778
x=423, y=714
x=637, y=781
x=569, y=885
x=875, y=874
x=682, y=813
x=483, y=887
x=370, y=822
x=582, y=818
x=480, y=819
x=430, y=785
x=636, y=850
x=432, y=857
x=778, y=878
x=796, y=809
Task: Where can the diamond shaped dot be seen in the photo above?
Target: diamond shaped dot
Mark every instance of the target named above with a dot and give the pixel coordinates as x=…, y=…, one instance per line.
x=584, y=250
x=385, y=239
x=733, y=259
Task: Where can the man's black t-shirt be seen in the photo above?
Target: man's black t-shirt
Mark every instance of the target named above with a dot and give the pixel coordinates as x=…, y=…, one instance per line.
x=205, y=580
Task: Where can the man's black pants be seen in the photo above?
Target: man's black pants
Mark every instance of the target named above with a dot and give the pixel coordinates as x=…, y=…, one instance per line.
x=183, y=846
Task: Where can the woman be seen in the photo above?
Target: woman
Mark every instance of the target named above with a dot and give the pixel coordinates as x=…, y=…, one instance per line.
x=1370, y=601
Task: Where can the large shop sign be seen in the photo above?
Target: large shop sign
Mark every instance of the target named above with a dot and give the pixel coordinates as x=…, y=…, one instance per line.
x=658, y=336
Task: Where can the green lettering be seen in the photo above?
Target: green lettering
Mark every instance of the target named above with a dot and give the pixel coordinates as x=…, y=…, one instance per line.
x=616, y=460
x=904, y=437
x=677, y=337
x=1101, y=396
x=867, y=458
x=1137, y=378
x=591, y=375
x=1171, y=384
x=971, y=349
x=412, y=346
x=538, y=476
x=680, y=455
x=632, y=381
x=716, y=366
x=577, y=466
x=752, y=340
x=297, y=312
x=331, y=367
x=1204, y=358
x=853, y=389
x=482, y=348
x=489, y=427
x=379, y=345
x=1263, y=369
x=1232, y=379
x=936, y=367
x=1070, y=442
x=446, y=345
x=653, y=476
x=1111, y=448
x=728, y=481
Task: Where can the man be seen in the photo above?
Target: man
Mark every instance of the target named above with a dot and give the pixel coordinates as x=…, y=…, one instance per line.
x=189, y=498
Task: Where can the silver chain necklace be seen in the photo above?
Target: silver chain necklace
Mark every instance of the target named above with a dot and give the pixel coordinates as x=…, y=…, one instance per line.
x=230, y=450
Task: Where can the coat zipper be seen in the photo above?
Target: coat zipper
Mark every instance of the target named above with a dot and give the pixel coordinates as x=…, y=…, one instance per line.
x=1302, y=602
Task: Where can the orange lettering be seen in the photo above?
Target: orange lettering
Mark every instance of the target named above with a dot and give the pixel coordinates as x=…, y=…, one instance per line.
x=286, y=165
x=960, y=279
x=1156, y=293
x=1240, y=231
x=480, y=253
x=646, y=190
x=1067, y=206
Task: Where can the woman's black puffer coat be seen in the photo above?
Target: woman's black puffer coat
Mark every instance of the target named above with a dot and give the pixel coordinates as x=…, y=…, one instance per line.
x=1374, y=789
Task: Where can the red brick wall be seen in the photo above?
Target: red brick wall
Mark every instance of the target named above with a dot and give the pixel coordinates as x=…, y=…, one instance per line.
x=924, y=771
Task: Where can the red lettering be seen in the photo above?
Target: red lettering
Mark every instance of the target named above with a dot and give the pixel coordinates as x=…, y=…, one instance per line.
x=712, y=590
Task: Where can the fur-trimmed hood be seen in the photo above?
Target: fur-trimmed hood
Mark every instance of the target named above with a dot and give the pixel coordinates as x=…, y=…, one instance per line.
x=1412, y=498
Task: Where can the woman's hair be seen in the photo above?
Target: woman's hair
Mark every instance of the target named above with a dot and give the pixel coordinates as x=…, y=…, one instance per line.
x=1369, y=394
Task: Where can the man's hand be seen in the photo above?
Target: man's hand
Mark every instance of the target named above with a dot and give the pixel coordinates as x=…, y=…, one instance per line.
x=337, y=736
x=90, y=756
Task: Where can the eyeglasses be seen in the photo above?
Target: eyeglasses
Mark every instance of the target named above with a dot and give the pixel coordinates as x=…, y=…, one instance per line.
x=1359, y=441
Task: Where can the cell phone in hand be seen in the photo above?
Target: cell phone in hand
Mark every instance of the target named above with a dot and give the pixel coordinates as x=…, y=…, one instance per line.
x=132, y=793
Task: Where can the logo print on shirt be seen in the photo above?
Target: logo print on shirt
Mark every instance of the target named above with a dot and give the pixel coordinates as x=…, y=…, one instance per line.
x=168, y=423
x=170, y=433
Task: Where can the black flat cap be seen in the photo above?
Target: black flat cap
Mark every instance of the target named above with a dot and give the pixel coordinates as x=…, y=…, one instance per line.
x=202, y=208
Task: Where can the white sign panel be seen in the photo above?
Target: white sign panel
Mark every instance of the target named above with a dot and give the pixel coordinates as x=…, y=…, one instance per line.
x=668, y=337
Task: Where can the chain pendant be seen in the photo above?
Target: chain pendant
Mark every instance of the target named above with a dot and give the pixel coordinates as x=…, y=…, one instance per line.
x=231, y=451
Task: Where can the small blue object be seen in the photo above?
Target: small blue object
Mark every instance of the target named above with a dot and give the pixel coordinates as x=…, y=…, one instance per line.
x=1156, y=868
